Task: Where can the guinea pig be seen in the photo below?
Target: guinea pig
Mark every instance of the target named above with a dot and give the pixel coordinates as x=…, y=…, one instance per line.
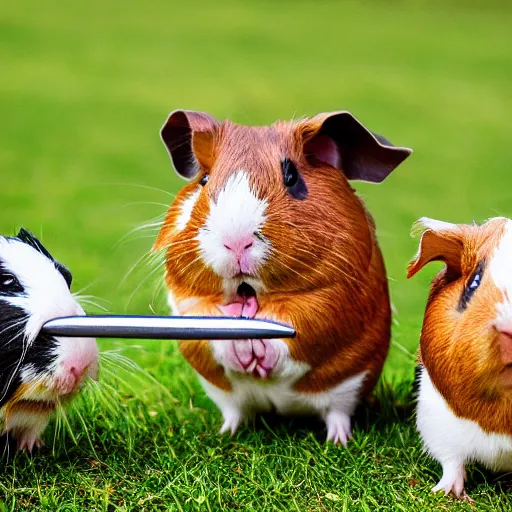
x=38, y=372
x=269, y=227
x=464, y=410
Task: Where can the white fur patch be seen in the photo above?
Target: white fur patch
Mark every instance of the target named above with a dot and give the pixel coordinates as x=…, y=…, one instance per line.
x=237, y=213
x=435, y=225
x=500, y=270
x=183, y=306
x=455, y=441
x=251, y=396
x=187, y=206
x=47, y=293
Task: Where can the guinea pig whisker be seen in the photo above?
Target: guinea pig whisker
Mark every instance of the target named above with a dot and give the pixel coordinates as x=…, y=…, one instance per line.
x=179, y=242
x=150, y=274
x=143, y=186
x=81, y=297
x=95, y=304
x=186, y=253
x=153, y=224
x=410, y=355
x=329, y=264
x=159, y=292
x=146, y=255
x=86, y=287
x=188, y=265
x=321, y=247
x=290, y=268
x=13, y=325
x=151, y=260
x=17, y=366
x=121, y=361
x=137, y=203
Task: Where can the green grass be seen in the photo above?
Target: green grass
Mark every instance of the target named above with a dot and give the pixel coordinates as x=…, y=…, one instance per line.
x=84, y=89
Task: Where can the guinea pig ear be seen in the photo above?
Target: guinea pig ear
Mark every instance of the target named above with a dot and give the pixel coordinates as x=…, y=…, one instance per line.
x=440, y=241
x=341, y=141
x=30, y=239
x=188, y=137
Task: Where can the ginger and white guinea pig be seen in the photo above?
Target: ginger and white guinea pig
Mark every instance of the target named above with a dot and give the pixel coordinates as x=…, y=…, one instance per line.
x=464, y=411
x=38, y=372
x=269, y=227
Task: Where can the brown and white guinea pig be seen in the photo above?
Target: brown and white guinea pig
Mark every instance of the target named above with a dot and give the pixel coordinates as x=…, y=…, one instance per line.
x=464, y=409
x=269, y=227
x=37, y=371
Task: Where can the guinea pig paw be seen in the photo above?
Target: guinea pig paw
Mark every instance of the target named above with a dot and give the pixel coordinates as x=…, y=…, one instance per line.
x=254, y=357
x=452, y=482
x=27, y=442
x=232, y=420
x=338, y=427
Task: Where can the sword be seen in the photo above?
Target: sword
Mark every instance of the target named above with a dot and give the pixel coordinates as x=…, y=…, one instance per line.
x=167, y=327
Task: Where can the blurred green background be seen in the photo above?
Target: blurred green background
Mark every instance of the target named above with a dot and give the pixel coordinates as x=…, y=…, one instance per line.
x=85, y=87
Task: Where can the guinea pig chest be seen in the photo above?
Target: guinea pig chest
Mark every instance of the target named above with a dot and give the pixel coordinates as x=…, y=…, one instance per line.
x=37, y=371
x=464, y=409
x=269, y=227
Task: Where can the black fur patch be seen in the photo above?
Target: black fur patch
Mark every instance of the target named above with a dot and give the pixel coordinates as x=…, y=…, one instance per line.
x=13, y=321
x=416, y=383
x=12, y=328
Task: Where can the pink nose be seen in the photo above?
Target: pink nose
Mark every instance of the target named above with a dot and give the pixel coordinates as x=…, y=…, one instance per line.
x=77, y=371
x=240, y=246
x=81, y=361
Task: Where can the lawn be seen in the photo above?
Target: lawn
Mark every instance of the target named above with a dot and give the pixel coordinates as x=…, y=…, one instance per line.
x=84, y=89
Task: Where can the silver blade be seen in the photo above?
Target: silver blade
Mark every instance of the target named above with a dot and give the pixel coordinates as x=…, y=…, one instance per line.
x=166, y=327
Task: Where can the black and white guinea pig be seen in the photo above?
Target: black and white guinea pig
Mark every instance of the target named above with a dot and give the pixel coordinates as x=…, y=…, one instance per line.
x=38, y=372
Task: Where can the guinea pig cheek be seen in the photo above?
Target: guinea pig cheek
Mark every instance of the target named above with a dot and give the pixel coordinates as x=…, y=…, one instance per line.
x=76, y=362
x=504, y=340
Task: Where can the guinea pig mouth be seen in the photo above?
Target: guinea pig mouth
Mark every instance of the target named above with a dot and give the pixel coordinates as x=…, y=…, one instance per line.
x=245, y=291
x=243, y=304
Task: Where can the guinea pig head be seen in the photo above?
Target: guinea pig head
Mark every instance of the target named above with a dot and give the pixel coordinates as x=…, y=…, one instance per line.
x=37, y=371
x=466, y=340
x=269, y=206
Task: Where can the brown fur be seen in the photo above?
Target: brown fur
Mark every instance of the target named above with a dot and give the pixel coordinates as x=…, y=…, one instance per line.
x=326, y=275
x=461, y=350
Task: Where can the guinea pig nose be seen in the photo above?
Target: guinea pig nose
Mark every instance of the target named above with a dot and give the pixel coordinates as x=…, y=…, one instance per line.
x=77, y=372
x=240, y=245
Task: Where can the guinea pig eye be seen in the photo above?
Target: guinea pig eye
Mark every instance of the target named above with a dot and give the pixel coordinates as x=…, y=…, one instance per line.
x=204, y=180
x=472, y=286
x=9, y=283
x=293, y=181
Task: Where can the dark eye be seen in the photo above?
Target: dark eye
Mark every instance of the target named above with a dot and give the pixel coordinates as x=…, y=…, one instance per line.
x=9, y=283
x=290, y=173
x=293, y=181
x=204, y=180
x=473, y=284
